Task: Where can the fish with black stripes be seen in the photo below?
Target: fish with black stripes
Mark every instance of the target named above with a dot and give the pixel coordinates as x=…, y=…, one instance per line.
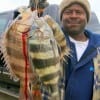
x=34, y=49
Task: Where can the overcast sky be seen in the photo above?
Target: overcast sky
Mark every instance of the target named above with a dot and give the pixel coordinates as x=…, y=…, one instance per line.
x=7, y=5
x=13, y=4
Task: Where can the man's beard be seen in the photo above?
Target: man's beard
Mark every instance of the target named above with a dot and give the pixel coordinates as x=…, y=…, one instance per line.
x=74, y=30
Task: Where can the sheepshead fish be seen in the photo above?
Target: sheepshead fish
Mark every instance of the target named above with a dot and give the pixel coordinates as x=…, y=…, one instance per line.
x=46, y=39
x=33, y=50
x=15, y=53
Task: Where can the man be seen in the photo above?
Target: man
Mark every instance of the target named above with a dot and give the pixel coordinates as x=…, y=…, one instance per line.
x=82, y=73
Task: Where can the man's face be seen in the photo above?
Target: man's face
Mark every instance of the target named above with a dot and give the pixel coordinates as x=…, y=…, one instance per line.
x=74, y=19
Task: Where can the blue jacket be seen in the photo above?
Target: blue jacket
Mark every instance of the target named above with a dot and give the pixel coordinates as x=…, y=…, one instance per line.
x=79, y=74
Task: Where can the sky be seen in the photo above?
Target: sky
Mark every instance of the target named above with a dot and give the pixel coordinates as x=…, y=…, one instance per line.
x=7, y=5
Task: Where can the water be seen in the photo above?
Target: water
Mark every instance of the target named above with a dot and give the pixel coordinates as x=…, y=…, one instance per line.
x=3, y=23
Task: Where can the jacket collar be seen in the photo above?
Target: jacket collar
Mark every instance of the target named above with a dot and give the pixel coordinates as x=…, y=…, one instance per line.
x=93, y=37
x=91, y=50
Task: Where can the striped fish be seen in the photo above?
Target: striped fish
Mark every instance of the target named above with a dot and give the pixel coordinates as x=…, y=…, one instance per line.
x=45, y=42
x=14, y=48
x=33, y=50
